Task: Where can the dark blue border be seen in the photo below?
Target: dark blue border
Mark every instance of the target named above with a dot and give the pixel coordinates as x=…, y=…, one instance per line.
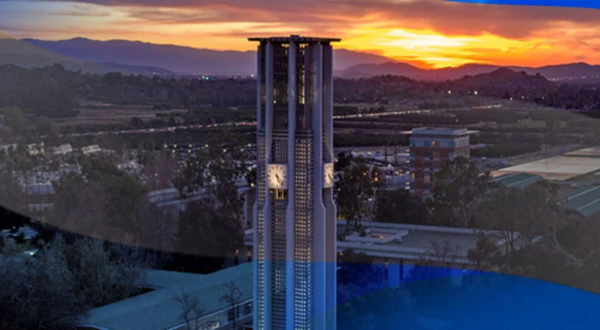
x=591, y=4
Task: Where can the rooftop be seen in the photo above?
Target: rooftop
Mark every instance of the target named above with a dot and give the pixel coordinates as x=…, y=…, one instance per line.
x=557, y=168
x=410, y=242
x=158, y=309
x=440, y=131
x=517, y=180
x=588, y=152
x=417, y=242
x=295, y=38
x=585, y=200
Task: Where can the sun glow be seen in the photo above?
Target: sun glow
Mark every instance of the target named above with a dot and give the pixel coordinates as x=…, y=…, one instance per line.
x=418, y=39
x=427, y=48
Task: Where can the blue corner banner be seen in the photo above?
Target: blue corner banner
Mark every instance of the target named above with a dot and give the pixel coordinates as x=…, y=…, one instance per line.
x=593, y=4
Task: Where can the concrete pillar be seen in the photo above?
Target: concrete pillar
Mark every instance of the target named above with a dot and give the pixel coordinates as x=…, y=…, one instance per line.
x=320, y=306
x=290, y=213
x=268, y=200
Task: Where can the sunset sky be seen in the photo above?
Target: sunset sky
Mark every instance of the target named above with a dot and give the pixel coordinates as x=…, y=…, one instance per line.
x=427, y=33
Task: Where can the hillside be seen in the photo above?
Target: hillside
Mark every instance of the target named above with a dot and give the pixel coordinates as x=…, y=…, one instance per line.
x=178, y=59
x=565, y=72
x=28, y=55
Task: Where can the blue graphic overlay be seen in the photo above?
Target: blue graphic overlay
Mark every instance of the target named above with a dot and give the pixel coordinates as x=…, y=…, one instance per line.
x=593, y=4
x=435, y=298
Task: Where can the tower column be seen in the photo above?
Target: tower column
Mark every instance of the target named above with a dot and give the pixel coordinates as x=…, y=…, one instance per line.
x=320, y=260
x=330, y=207
x=268, y=221
x=295, y=234
x=290, y=214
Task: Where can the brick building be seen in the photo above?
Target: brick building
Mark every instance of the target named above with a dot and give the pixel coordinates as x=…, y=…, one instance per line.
x=430, y=149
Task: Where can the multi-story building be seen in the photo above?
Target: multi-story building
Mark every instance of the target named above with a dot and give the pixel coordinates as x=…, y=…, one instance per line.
x=295, y=228
x=430, y=149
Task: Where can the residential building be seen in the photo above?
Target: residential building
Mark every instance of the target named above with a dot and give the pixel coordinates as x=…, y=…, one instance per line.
x=35, y=149
x=94, y=148
x=8, y=147
x=295, y=227
x=430, y=149
x=62, y=150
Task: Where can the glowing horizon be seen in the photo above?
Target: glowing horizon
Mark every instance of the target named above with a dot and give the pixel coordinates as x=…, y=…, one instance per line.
x=424, y=33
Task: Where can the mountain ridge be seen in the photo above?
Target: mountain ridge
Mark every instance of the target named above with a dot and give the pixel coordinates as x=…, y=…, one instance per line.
x=183, y=60
x=139, y=57
x=569, y=71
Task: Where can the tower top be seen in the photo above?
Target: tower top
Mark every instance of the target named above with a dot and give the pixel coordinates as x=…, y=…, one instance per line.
x=295, y=38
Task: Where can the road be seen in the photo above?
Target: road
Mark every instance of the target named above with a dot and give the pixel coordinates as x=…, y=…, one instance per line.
x=253, y=123
x=162, y=129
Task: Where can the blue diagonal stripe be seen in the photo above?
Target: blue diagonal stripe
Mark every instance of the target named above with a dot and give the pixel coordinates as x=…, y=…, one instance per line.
x=593, y=4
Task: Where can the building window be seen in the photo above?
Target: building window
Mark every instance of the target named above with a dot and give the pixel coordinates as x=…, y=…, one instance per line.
x=427, y=143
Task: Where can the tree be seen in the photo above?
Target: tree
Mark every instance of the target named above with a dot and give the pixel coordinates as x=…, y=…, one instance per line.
x=46, y=128
x=12, y=202
x=54, y=288
x=484, y=251
x=136, y=122
x=211, y=226
x=158, y=170
x=399, y=206
x=232, y=298
x=213, y=171
x=104, y=277
x=102, y=202
x=355, y=190
x=459, y=188
x=155, y=227
x=502, y=212
x=191, y=310
x=251, y=177
x=207, y=236
x=13, y=117
x=40, y=292
x=343, y=161
x=525, y=214
x=541, y=241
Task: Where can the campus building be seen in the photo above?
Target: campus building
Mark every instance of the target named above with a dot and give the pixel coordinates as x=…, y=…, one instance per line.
x=295, y=227
x=430, y=149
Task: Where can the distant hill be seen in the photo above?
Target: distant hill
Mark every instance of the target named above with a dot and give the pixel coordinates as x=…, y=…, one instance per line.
x=178, y=59
x=567, y=71
x=573, y=71
x=28, y=55
x=149, y=59
x=501, y=79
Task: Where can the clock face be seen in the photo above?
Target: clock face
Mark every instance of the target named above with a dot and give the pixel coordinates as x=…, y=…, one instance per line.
x=277, y=176
x=328, y=175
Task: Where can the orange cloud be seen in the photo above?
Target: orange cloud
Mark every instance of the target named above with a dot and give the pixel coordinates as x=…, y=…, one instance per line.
x=429, y=33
